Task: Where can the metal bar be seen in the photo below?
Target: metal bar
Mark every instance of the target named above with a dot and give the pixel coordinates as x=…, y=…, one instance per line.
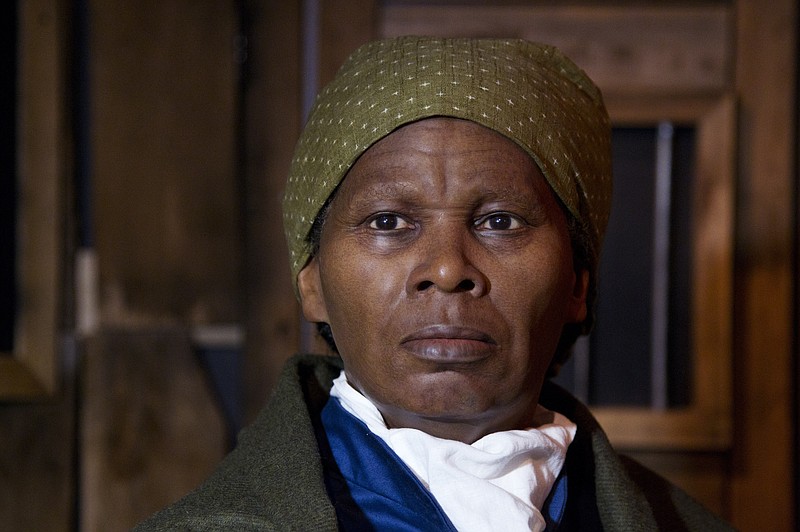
x=659, y=393
x=310, y=82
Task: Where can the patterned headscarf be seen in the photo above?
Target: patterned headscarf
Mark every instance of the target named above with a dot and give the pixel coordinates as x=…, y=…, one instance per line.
x=528, y=92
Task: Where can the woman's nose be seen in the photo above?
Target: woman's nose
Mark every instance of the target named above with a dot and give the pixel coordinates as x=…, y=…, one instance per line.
x=446, y=263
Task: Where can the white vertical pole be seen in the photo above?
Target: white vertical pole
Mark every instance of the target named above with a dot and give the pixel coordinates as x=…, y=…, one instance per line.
x=661, y=240
x=310, y=80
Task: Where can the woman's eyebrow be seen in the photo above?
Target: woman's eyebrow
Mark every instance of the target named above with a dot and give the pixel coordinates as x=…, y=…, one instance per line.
x=386, y=191
x=512, y=193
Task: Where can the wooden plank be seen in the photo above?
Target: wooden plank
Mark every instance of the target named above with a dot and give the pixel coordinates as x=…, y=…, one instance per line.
x=163, y=113
x=151, y=430
x=32, y=368
x=645, y=110
x=271, y=120
x=37, y=461
x=17, y=382
x=625, y=50
x=344, y=25
x=766, y=68
x=37, y=438
x=713, y=205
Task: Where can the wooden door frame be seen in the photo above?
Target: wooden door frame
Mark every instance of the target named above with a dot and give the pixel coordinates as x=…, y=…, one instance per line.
x=763, y=463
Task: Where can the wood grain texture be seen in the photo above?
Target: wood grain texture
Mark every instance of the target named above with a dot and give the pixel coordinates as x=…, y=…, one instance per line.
x=763, y=469
x=37, y=466
x=37, y=397
x=32, y=369
x=625, y=49
x=163, y=94
x=271, y=120
x=344, y=26
x=151, y=428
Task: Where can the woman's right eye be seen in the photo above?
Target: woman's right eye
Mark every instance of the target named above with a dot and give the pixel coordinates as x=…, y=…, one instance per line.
x=387, y=221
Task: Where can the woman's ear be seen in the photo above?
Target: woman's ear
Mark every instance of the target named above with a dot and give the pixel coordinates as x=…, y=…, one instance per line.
x=576, y=309
x=312, y=298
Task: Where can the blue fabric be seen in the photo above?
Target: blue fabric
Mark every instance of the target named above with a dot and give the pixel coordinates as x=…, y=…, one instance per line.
x=556, y=503
x=373, y=489
x=376, y=490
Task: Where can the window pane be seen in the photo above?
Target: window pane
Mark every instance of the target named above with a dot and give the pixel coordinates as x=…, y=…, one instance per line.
x=8, y=173
x=620, y=349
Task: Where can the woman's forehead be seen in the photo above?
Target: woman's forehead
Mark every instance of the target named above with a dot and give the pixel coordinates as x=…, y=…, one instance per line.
x=443, y=161
x=455, y=136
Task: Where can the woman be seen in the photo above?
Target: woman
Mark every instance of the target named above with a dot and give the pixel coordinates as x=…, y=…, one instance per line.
x=444, y=212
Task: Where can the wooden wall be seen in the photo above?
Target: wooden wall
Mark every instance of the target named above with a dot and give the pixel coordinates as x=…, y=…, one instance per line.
x=163, y=85
x=163, y=90
x=767, y=85
x=38, y=474
x=270, y=120
x=150, y=428
x=134, y=423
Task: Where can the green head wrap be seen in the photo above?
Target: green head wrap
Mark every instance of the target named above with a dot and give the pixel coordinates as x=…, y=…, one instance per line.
x=528, y=92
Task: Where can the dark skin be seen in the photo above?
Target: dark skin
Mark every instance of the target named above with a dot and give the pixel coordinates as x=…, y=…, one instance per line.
x=445, y=272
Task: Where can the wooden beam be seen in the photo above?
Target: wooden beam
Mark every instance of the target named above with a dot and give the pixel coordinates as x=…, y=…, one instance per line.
x=151, y=428
x=31, y=370
x=344, y=26
x=625, y=49
x=270, y=124
x=763, y=467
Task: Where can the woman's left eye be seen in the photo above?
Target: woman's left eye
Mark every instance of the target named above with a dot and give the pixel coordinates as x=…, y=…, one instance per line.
x=388, y=221
x=499, y=221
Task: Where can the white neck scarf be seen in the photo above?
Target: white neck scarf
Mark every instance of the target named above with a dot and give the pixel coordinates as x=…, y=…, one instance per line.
x=500, y=482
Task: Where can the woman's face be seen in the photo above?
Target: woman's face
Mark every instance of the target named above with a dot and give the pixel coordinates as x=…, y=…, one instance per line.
x=445, y=272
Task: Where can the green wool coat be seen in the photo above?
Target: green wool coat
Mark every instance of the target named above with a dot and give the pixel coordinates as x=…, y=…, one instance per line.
x=273, y=480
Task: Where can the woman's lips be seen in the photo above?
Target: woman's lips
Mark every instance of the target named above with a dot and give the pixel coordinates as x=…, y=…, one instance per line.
x=448, y=343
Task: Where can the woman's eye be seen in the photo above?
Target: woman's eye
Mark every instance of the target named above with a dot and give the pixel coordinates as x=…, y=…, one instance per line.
x=499, y=222
x=388, y=222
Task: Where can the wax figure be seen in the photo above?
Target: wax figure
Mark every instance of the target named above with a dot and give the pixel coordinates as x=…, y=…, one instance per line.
x=444, y=212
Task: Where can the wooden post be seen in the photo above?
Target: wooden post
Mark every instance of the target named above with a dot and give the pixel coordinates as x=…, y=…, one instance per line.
x=762, y=475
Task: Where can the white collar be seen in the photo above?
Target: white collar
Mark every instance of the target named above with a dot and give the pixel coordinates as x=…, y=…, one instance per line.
x=500, y=482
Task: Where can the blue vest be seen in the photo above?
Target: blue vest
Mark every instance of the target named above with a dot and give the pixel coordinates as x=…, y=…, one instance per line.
x=373, y=489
